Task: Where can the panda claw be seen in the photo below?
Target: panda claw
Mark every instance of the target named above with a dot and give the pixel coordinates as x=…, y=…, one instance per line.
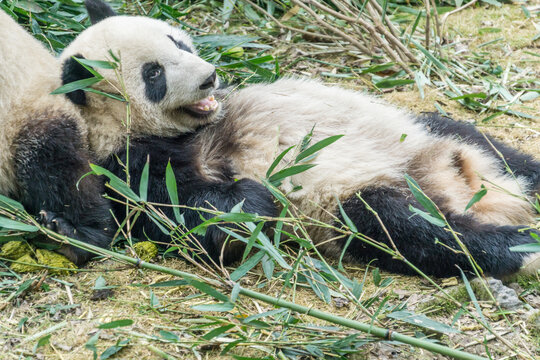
x=55, y=223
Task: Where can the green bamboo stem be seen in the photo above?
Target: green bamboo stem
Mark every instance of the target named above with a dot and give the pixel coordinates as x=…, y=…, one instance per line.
x=353, y=324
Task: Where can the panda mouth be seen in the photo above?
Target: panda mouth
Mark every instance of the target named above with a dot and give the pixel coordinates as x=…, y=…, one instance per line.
x=202, y=108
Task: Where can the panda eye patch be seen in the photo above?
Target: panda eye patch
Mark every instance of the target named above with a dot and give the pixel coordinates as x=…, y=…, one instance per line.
x=155, y=82
x=179, y=44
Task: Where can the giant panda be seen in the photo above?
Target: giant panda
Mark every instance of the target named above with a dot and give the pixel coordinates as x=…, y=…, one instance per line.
x=43, y=148
x=171, y=93
x=241, y=136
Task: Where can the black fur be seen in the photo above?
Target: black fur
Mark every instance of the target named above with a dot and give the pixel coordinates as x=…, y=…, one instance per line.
x=73, y=71
x=98, y=10
x=179, y=44
x=155, y=82
x=521, y=164
x=49, y=160
x=193, y=188
x=415, y=237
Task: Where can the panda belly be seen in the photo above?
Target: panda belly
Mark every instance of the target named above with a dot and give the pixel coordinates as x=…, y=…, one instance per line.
x=381, y=145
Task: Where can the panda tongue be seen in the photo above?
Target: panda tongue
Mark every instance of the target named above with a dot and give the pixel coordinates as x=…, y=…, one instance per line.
x=204, y=105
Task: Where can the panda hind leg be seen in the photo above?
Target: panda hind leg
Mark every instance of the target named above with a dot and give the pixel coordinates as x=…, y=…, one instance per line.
x=521, y=164
x=419, y=241
x=50, y=158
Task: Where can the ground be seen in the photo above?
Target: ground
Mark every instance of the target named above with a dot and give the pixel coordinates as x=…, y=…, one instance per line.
x=69, y=309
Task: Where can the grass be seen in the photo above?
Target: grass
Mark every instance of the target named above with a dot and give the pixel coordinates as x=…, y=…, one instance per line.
x=114, y=310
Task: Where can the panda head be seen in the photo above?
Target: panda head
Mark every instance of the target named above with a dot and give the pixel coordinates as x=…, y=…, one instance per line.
x=169, y=88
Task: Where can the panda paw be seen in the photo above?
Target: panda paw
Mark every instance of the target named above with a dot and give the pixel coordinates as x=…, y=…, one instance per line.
x=55, y=223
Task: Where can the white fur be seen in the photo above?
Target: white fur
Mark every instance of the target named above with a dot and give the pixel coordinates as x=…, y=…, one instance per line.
x=136, y=41
x=531, y=264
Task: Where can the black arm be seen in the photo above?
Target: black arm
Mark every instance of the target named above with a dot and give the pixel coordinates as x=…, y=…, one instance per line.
x=49, y=160
x=194, y=190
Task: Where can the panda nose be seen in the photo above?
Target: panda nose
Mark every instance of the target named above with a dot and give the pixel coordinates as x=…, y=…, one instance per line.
x=209, y=82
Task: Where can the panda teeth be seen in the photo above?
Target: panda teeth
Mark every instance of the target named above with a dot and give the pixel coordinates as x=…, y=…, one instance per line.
x=206, y=108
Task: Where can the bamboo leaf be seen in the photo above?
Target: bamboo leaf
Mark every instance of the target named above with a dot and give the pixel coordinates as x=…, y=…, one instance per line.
x=97, y=63
x=116, y=183
x=207, y=289
x=76, y=85
x=218, y=331
x=112, y=350
x=278, y=177
x=390, y=83
x=317, y=283
x=429, y=55
x=219, y=307
x=228, y=7
x=473, y=298
x=422, y=321
x=11, y=203
x=268, y=266
x=264, y=314
x=422, y=198
x=252, y=239
x=346, y=218
x=237, y=217
x=269, y=247
x=116, y=323
x=16, y=225
x=277, y=161
x=143, y=186
x=317, y=147
x=477, y=197
x=246, y=266
x=170, y=181
x=428, y=217
x=169, y=336
x=533, y=247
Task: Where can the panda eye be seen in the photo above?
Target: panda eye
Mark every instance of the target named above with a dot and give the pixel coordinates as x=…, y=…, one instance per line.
x=152, y=71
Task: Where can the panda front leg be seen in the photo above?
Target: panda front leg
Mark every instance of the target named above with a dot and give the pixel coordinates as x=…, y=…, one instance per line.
x=416, y=238
x=50, y=158
x=224, y=196
x=521, y=164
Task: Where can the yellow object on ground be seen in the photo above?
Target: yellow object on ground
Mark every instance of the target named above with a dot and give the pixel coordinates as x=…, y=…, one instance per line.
x=146, y=250
x=26, y=256
x=15, y=249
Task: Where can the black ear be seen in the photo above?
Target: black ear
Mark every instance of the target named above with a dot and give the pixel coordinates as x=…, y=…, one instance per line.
x=98, y=10
x=73, y=71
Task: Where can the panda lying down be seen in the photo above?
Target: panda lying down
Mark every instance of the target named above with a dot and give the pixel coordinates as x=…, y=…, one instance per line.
x=211, y=140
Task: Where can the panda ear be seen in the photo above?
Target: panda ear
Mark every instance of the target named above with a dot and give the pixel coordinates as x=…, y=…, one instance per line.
x=98, y=10
x=73, y=71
